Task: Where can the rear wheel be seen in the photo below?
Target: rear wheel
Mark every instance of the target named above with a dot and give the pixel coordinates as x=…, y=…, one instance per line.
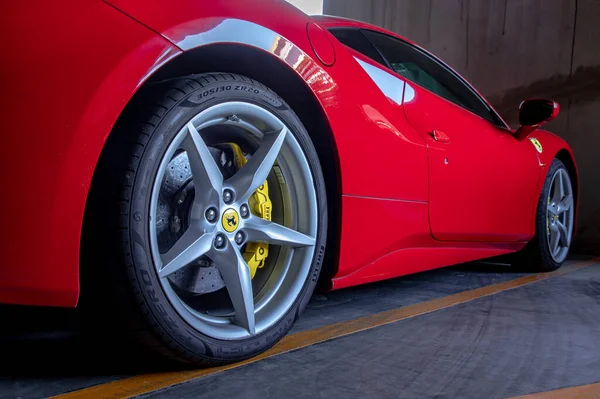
x=220, y=220
x=554, y=223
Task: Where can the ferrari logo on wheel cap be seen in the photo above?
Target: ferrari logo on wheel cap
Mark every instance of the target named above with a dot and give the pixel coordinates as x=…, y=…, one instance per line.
x=230, y=220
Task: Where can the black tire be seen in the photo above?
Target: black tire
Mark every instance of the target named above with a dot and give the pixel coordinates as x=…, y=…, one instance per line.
x=536, y=256
x=116, y=239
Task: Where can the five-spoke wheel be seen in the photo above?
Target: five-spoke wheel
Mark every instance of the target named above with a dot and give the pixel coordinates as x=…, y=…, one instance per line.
x=216, y=229
x=221, y=216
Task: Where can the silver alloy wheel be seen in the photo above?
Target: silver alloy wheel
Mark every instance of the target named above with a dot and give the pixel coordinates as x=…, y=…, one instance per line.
x=253, y=312
x=559, y=215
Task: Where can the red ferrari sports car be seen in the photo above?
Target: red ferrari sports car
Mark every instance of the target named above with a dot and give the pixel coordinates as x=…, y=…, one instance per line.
x=197, y=168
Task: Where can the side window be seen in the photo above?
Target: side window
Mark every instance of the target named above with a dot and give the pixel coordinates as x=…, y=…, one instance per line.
x=427, y=72
x=356, y=40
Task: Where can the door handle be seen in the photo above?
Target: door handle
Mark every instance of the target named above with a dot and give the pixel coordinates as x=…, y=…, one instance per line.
x=440, y=136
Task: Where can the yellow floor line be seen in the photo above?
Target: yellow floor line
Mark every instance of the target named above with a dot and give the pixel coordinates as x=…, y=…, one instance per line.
x=145, y=383
x=591, y=391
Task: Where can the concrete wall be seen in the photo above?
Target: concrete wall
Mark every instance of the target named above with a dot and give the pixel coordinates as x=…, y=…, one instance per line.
x=511, y=50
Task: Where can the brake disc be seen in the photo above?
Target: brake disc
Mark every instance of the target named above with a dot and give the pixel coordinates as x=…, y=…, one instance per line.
x=177, y=194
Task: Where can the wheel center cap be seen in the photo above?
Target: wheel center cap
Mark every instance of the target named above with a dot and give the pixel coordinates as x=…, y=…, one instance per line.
x=230, y=220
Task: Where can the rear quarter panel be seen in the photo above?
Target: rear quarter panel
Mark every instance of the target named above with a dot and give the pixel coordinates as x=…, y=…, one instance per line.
x=69, y=68
x=383, y=161
x=359, y=116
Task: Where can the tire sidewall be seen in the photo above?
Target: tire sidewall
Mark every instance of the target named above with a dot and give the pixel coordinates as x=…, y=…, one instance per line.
x=169, y=324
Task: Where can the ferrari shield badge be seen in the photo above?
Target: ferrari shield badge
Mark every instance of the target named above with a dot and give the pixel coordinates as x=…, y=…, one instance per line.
x=537, y=144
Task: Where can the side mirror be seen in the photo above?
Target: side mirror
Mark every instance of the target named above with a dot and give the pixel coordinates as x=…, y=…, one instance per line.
x=534, y=113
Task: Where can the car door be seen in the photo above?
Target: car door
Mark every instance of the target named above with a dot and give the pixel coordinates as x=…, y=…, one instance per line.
x=482, y=180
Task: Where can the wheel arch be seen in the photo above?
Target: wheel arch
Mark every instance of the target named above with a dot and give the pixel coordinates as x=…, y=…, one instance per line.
x=276, y=74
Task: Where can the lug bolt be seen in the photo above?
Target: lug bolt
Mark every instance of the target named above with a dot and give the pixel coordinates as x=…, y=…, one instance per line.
x=211, y=214
x=176, y=224
x=181, y=198
x=227, y=196
x=239, y=238
x=244, y=211
x=219, y=241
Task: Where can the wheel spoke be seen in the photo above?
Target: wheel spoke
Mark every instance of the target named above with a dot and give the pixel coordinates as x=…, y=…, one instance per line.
x=565, y=204
x=554, y=238
x=260, y=230
x=559, y=188
x=187, y=249
x=207, y=177
x=236, y=275
x=252, y=175
x=564, y=235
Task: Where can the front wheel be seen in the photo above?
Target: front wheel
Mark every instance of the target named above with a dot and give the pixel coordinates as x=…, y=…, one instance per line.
x=219, y=221
x=554, y=223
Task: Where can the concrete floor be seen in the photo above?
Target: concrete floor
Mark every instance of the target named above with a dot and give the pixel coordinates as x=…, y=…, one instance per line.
x=536, y=337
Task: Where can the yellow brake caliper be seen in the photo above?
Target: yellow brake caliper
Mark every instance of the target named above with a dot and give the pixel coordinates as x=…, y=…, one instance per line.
x=260, y=204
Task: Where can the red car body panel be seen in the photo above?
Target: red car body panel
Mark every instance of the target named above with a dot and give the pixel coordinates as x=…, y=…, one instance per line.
x=477, y=193
x=93, y=58
x=397, y=242
x=71, y=70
